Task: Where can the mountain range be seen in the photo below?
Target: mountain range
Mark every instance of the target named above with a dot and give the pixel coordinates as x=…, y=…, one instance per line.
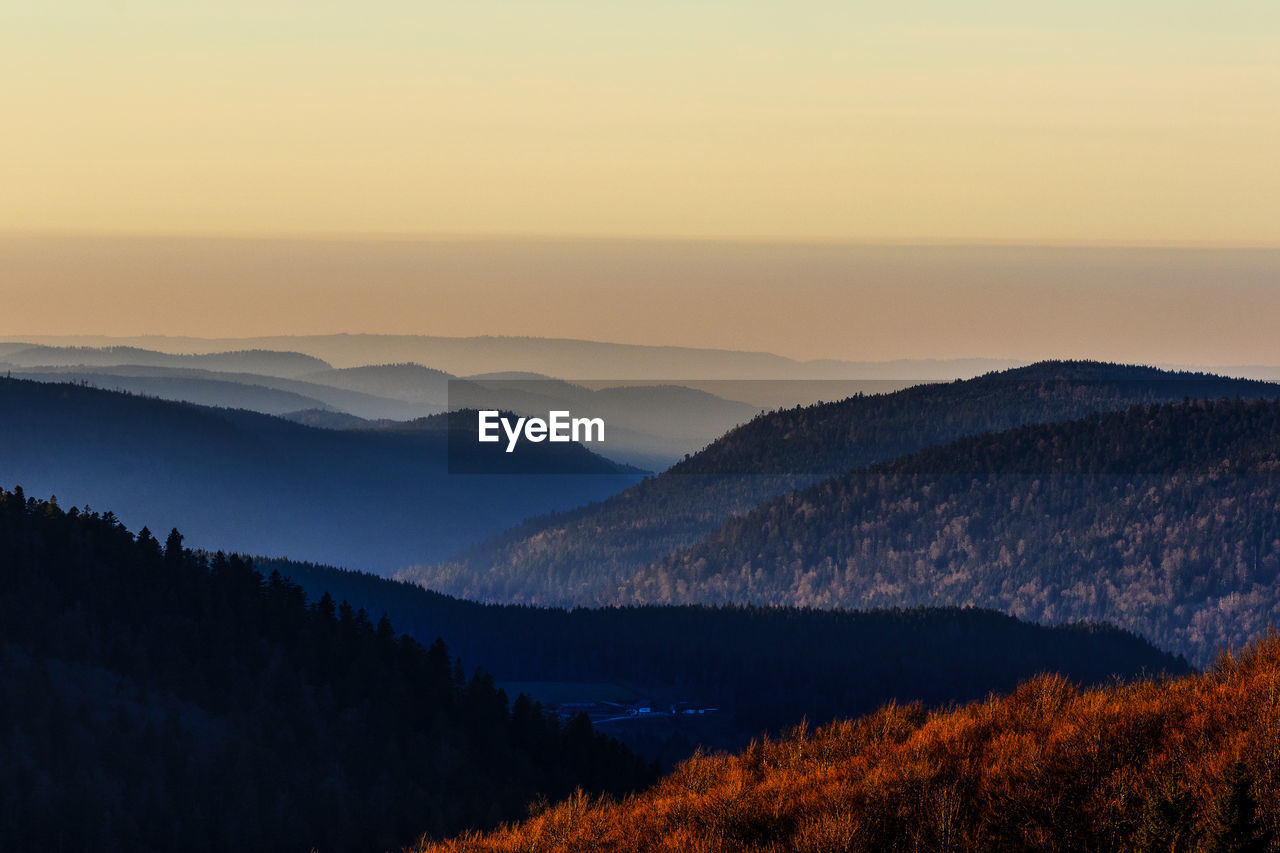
x=591, y=555
x=562, y=357
x=369, y=499
x=650, y=425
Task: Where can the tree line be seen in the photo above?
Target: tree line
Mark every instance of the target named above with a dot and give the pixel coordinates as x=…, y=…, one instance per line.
x=156, y=698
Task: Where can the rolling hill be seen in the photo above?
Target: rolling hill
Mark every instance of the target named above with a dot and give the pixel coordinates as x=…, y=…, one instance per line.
x=650, y=426
x=412, y=383
x=566, y=357
x=270, y=382
x=764, y=669
x=268, y=362
x=1187, y=764
x=371, y=499
x=1162, y=519
x=587, y=555
x=255, y=392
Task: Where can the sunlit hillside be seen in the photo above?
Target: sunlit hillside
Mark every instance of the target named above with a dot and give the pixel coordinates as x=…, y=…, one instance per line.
x=1186, y=764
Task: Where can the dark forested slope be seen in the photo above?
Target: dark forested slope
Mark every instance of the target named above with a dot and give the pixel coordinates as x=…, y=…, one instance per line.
x=764, y=668
x=1163, y=519
x=587, y=555
x=153, y=700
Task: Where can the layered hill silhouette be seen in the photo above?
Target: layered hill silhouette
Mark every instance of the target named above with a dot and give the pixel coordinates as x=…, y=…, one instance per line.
x=1185, y=764
x=588, y=555
x=152, y=698
x=764, y=669
x=409, y=382
x=267, y=362
x=651, y=426
x=256, y=392
x=1164, y=519
x=570, y=357
x=371, y=499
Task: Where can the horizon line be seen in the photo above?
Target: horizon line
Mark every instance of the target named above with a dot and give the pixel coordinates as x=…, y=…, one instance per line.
x=823, y=241
x=1022, y=362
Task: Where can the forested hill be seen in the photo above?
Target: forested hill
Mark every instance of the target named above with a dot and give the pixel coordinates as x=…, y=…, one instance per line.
x=764, y=668
x=153, y=700
x=587, y=555
x=239, y=480
x=830, y=439
x=1164, y=520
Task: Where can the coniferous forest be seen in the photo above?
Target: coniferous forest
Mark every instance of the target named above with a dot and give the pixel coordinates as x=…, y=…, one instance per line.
x=764, y=668
x=153, y=699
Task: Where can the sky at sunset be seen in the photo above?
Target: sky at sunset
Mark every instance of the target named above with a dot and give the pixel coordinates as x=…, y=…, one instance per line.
x=1098, y=178
x=1175, y=305
x=1094, y=121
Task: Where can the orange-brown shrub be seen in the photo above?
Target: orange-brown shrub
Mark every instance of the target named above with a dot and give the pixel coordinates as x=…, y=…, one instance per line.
x=1181, y=764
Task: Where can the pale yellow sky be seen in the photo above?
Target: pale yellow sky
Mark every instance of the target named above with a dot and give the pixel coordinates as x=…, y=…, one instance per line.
x=1111, y=121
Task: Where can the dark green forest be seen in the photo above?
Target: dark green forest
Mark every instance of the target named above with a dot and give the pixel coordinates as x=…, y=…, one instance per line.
x=766, y=668
x=152, y=698
x=1163, y=519
x=588, y=555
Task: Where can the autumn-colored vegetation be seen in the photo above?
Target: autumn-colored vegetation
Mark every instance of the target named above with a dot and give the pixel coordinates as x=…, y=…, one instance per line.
x=1186, y=764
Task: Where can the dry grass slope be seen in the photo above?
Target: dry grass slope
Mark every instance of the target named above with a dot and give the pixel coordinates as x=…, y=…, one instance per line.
x=1187, y=764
